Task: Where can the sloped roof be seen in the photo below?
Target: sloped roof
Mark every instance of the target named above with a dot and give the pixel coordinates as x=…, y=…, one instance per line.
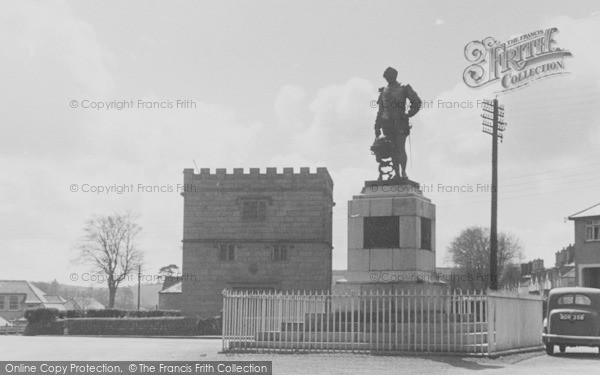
x=84, y=303
x=34, y=295
x=588, y=212
x=175, y=288
x=58, y=306
x=54, y=299
x=170, y=281
x=4, y=322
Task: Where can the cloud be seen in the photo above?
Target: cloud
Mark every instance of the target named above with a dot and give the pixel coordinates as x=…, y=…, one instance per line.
x=340, y=119
x=289, y=106
x=49, y=58
x=52, y=57
x=49, y=31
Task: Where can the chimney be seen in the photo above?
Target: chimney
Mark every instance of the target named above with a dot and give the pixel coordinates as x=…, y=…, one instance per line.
x=54, y=288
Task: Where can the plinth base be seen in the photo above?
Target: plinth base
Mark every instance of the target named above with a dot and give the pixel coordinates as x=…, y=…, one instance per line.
x=388, y=282
x=404, y=212
x=389, y=188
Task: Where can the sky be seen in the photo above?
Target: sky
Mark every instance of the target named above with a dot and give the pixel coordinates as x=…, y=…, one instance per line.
x=278, y=84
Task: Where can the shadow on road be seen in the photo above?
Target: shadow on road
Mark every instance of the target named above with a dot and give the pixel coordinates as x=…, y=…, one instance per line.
x=466, y=363
x=588, y=356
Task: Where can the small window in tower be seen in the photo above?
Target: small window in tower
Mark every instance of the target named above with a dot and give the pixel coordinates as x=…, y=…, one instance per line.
x=279, y=253
x=227, y=252
x=254, y=210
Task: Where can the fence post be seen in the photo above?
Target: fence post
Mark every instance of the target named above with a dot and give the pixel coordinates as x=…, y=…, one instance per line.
x=491, y=324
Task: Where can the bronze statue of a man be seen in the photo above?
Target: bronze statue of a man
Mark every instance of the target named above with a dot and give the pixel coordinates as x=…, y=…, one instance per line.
x=392, y=117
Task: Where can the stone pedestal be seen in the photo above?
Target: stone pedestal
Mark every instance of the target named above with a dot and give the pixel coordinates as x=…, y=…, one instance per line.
x=408, y=259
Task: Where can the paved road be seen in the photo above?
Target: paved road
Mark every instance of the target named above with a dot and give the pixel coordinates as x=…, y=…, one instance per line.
x=19, y=348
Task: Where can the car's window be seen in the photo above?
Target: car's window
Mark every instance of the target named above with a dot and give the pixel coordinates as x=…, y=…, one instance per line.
x=574, y=299
x=581, y=299
x=567, y=299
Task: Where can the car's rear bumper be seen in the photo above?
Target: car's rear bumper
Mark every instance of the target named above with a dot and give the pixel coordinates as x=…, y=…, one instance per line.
x=548, y=338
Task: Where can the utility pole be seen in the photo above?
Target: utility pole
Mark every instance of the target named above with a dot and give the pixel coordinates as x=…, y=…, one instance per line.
x=495, y=126
x=139, y=284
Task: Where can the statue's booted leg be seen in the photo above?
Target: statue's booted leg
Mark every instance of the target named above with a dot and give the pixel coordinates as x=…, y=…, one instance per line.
x=403, y=158
x=396, y=159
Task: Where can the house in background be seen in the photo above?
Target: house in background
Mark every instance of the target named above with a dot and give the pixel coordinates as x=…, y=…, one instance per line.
x=83, y=304
x=170, y=298
x=587, y=246
x=18, y=295
x=537, y=279
x=4, y=323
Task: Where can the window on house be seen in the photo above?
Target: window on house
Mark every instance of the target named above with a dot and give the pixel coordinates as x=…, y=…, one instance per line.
x=254, y=210
x=381, y=231
x=13, y=303
x=2, y=307
x=425, y=233
x=226, y=252
x=592, y=230
x=279, y=253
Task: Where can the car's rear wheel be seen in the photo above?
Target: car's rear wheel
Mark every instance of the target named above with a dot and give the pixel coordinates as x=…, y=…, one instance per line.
x=549, y=349
x=563, y=348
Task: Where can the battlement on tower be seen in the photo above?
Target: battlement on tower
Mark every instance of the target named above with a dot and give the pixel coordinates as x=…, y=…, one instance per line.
x=257, y=178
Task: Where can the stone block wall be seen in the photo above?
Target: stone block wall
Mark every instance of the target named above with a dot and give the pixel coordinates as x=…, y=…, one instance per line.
x=170, y=301
x=298, y=215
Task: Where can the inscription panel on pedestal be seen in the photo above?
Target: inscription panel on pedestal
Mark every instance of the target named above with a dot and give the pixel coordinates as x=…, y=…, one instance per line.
x=381, y=232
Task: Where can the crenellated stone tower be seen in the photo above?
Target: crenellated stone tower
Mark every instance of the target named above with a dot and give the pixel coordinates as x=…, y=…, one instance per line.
x=254, y=230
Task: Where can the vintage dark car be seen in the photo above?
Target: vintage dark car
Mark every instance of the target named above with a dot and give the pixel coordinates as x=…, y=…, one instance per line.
x=572, y=318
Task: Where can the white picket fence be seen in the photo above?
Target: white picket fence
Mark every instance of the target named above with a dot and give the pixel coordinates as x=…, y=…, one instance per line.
x=383, y=322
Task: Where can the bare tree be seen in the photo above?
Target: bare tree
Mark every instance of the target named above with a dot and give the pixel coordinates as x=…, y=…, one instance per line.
x=470, y=253
x=109, y=244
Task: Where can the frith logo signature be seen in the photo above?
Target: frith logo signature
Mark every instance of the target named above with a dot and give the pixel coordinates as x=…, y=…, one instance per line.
x=516, y=62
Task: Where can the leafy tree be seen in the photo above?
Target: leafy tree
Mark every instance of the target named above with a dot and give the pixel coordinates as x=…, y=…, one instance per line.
x=109, y=245
x=511, y=275
x=168, y=271
x=470, y=253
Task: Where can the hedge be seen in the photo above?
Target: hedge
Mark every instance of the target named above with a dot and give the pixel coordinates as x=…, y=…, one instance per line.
x=51, y=314
x=162, y=326
x=42, y=315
